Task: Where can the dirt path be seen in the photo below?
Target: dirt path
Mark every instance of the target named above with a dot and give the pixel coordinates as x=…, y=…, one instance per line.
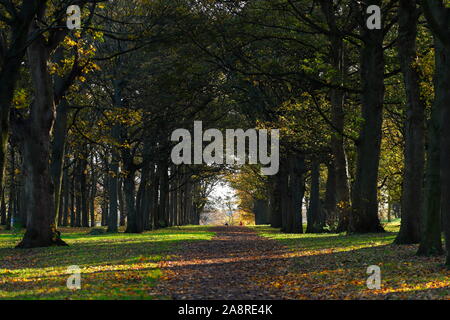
x=227, y=267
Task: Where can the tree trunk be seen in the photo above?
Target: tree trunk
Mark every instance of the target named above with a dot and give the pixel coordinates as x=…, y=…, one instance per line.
x=414, y=127
x=339, y=167
x=3, y=210
x=431, y=243
x=113, y=187
x=275, y=201
x=175, y=199
x=12, y=192
x=436, y=190
x=315, y=217
x=78, y=212
x=330, y=203
x=66, y=197
x=58, y=150
x=364, y=215
x=9, y=72
x=296, y=193
x=443, y=98
x=122, y=206
x=164, y=193
x=284, y=196
x=134, y=220
x=41, y=229
x=72, y=202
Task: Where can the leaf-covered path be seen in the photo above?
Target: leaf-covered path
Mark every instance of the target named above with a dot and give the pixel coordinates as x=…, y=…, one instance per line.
x=226, y=267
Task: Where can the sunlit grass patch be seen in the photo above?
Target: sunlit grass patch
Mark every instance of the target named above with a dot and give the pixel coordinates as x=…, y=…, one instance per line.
x=334, y=266
x=113, y=266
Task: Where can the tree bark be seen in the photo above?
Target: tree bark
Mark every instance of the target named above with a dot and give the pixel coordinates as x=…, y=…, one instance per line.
x=58, y=150
x=414, y=126
x=72, y=202
x=275, y=201
x=66, y=197
x=3, y=210
x=364, y=215
x=41, y=228
x=114, y=188
x=315, y=222
x=284, y=196
x=339, y=168
x=9, y=72
x=296, y=193
x=164, y=193
x=134, y=220
x=431, y=243
x=443, y=98
x=330, y=203
x=436, y=190
x=122, y=206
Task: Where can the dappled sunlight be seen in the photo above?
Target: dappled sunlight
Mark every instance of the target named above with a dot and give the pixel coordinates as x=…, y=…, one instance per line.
x=338, y=269
x=123, y=266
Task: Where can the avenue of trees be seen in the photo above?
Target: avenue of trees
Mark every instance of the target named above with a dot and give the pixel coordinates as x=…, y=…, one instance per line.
x=87, y=114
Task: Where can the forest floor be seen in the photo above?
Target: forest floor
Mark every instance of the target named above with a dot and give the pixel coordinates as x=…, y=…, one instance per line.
x=113, y=266
x=334, y=266
x=220, y=263
x=227, y=267
x=262, y=263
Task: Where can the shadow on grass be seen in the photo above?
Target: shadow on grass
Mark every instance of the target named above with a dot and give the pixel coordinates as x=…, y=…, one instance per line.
x=325, y=266
x=123, y=263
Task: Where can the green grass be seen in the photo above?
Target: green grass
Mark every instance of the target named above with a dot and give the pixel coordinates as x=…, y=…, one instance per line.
x=113, y=266
x=334, y=266
x=339, y=242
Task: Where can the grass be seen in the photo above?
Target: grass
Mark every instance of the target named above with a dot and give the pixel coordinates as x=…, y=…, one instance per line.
x=334, y=266
x=113, y=266
x=125, y=266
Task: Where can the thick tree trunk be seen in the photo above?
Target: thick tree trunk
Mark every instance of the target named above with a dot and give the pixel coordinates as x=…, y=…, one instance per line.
x=284, y=196
x=437, y=179
x=9, y=72
x=134, y=219
x=143, y=201
x=443, y=98
x=315, y=223
x=41, y=229
x=260, y=209
x=364, y=215
x=340, y=164
x=414, y=127
x=275, y=201
x=296, y=193
x=339, y=168
x=135, y=222
x=431, y=243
